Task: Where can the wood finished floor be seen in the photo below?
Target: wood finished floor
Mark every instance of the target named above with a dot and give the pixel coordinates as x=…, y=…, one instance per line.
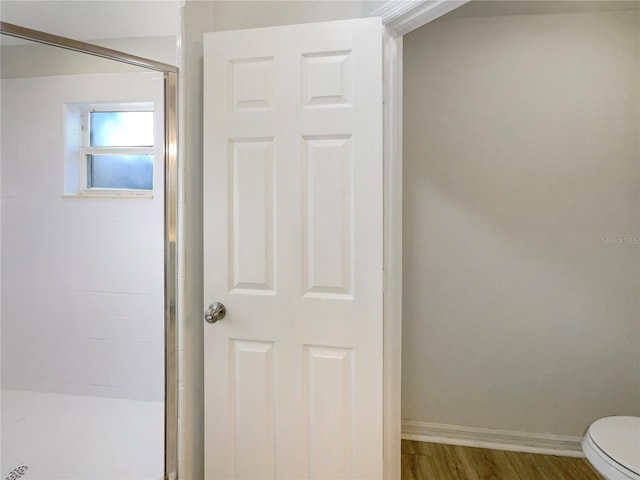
x=433, y=461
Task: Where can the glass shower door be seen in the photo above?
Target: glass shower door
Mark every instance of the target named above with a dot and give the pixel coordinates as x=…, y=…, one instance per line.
x=82, y=277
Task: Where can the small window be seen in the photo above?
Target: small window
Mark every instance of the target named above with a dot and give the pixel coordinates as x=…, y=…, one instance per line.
x=117, y=152
x=121, y=129
x=131, y=172
x=110, y=149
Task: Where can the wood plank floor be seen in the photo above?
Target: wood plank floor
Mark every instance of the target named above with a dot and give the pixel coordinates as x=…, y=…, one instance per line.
x=434, y=461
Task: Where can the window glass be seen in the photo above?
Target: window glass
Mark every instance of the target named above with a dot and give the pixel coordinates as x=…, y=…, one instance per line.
x=121, y=129
x=120, y=171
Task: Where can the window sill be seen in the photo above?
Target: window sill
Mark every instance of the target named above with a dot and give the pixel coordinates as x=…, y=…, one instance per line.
x=140, y=195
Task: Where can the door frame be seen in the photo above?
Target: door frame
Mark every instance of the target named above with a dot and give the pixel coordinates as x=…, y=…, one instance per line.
x=171, y=286
x=398, y=18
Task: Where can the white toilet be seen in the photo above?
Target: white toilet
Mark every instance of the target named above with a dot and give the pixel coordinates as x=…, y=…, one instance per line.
x=612, y=445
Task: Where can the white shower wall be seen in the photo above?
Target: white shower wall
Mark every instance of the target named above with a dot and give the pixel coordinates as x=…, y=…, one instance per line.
x=82, y=278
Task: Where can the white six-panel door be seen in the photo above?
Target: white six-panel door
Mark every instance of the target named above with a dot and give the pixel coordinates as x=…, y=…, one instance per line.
x=293, y=248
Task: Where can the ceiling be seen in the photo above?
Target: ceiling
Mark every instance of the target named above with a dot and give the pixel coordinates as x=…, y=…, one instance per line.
x=495, y=8
x=112, y=19
x=96, y=19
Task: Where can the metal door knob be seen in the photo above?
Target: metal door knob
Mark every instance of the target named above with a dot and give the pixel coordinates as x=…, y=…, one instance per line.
x=215, y=312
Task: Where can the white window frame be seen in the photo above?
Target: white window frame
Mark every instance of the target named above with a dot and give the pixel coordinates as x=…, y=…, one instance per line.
x=80, y=148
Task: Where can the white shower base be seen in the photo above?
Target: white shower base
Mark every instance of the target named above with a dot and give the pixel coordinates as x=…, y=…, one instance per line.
x=75, y=437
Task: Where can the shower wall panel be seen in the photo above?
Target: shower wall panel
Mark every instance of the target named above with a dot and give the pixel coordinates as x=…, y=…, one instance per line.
x=82, y=278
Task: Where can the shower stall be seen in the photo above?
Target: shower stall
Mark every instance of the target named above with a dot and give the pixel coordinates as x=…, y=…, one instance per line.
x=87, y=163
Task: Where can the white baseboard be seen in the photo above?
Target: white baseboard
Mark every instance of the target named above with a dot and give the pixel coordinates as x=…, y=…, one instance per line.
x=561, y=445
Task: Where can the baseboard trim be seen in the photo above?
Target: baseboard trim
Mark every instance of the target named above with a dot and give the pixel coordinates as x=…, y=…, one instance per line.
x=560, y=445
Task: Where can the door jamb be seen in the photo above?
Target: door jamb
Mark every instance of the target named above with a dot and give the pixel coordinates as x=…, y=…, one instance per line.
x=398, y=19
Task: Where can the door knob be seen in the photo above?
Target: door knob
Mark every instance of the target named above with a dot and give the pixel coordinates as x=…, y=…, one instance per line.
x=215, y=312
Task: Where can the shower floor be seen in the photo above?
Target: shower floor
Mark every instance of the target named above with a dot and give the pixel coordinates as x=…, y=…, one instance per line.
x=75, y=437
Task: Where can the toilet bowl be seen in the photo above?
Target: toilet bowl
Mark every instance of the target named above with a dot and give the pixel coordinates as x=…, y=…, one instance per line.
x=612, y=445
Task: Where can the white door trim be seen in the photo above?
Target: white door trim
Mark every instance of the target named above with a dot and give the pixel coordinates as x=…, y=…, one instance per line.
x=392, y=343
x=398, y=18
x=405, y=16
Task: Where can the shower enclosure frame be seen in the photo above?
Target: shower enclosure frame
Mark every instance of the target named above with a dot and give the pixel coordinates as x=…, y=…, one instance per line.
x=170, y=73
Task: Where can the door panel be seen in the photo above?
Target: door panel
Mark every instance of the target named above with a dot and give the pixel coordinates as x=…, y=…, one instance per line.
x=293, y=248
x=251, y=251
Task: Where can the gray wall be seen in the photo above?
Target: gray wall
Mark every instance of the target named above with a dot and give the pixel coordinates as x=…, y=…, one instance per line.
x=521, y=221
